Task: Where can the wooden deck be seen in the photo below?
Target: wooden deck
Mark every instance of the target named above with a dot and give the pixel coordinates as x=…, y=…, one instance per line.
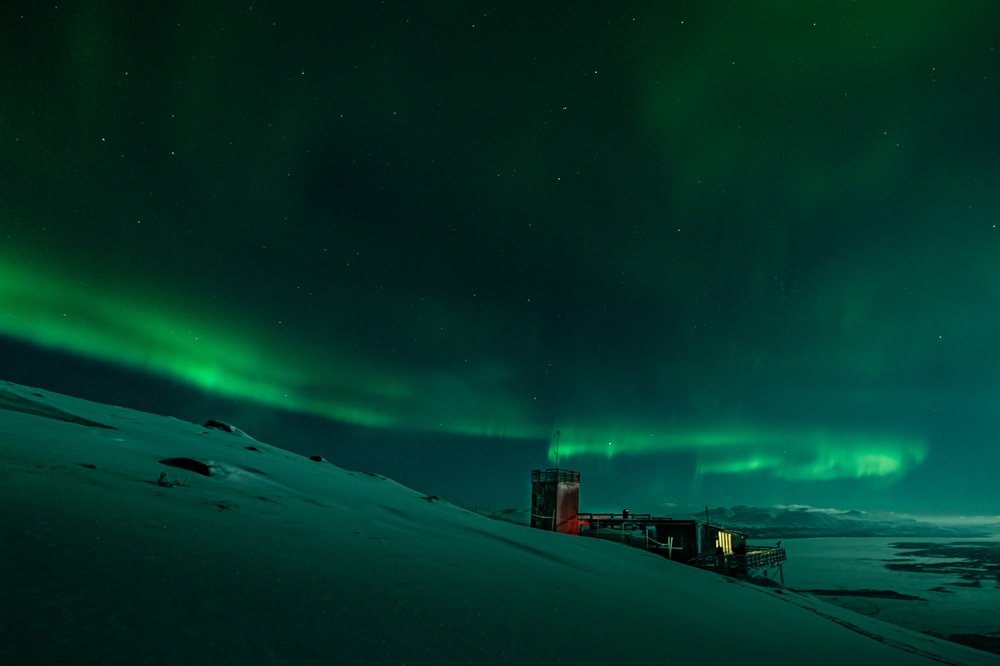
x=757, y=559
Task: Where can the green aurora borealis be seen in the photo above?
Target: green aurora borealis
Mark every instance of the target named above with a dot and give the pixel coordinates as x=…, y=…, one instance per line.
x=744, y=252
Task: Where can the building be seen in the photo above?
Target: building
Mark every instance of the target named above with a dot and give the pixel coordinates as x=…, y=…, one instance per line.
x=694, y=542
x=555, y=501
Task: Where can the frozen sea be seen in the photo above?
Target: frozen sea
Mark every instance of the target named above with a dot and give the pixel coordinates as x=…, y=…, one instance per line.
x=942, y=586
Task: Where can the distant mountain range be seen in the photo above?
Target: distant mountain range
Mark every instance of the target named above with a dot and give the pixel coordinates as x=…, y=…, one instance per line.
x=788, y=522
x=804, y=521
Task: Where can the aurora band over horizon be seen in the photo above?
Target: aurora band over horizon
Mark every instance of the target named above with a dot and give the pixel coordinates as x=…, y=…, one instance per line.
x=790, y=454
x=218, y=355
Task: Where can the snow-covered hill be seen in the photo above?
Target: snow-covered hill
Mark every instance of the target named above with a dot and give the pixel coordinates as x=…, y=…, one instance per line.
x=131, y=538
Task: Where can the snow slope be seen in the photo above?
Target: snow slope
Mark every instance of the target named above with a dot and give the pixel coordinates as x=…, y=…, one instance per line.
x=269, y=557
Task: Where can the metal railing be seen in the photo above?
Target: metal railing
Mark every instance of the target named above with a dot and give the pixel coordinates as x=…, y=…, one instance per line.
x=764, y=556
x=555, y=475
x=757, y=557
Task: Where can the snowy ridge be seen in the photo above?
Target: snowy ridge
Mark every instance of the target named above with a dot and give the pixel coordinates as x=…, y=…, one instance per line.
x=280, y=559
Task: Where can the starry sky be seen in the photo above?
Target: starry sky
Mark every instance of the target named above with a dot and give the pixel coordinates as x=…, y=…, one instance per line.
x=705, y=253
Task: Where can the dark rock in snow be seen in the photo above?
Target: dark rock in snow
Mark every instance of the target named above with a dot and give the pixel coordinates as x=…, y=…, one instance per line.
x=219, y=425
x=189, y=464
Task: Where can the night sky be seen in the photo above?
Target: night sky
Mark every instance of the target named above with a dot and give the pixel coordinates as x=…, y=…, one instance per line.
x=732, y=252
